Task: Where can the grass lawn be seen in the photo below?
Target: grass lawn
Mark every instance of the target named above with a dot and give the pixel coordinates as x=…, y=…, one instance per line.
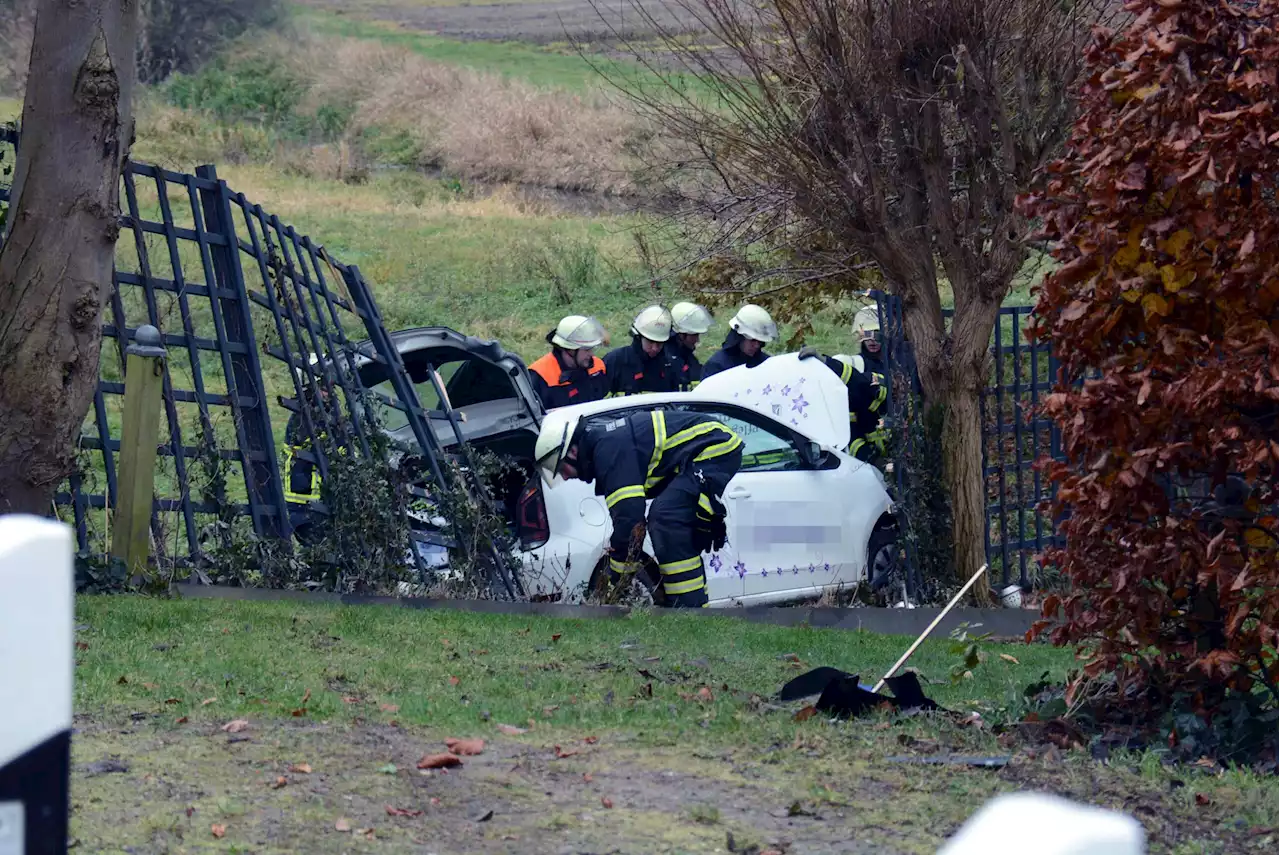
x=342, y=702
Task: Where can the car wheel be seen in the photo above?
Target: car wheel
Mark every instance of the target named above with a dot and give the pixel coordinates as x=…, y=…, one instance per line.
x=887, y=569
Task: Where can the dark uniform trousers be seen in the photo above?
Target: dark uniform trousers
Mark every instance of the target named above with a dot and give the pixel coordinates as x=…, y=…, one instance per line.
x=681, y=460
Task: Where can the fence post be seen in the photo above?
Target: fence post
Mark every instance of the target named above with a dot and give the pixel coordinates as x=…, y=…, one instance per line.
x=140, y=433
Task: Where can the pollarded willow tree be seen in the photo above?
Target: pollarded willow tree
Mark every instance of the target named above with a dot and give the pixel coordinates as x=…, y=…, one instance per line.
x=1164, y=315
x=816, y=141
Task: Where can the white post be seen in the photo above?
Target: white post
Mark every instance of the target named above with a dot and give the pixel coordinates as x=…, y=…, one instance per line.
x=37, y=614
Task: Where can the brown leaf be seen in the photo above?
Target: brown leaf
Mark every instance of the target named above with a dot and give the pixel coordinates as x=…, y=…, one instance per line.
x=591, y=740
x=180, y=720
x=607, y=802
x=299, y=712
x=279, y=782
x=208, y=701
x=301, y=768
x=395, y=811
x=389, y=708
x=342, y=825
x=150, y=686
x=704, y=695
x=305, y=698
x=367, y=832
x=172, y=701
x=586, y=777
x=1203, y=800
x=453, y=681
x=464, y=747
x=562, y=753
x=444, y=642
x=510, y=729
x=439, y=761
x=556, y=637
x=1008, y=658
x=235, y=726
x=805, y=714
x=548, y=710
x=80, y=645
x=350, y=699
x=218, y=830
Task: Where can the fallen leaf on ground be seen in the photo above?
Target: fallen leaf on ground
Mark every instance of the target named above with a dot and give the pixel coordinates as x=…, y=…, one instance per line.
x=367, y=832
x=607, y=802
x=1202, y=799
x=341, y=825
x=235, y=726
x=445, y=642
x=548, y=710
x=704, y=695
x=805, y=714
x=301, y=768
x=172, y=701
x=389, y=708
x=180, y=720
x=218, y=830
x=208, y=701
x=510, y=729
x=561, y=753
x=586, y=777
x=150, y=686
x=453, y=681
x=1007, y=658
x=122, y=681
x=299, y=712
x=305, y=698
x=190, y=811
x=350, y=699
x=439, y=761
x=556, y=637
x=395, y=811
x=80, y=645
x=591, y=740
x=464, y=747
x=279, y=782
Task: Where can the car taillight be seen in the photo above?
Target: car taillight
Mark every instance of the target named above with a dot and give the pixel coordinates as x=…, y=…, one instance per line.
x=531, y=516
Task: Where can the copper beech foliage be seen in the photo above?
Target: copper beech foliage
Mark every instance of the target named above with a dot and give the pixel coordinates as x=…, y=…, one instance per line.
x=1164, y=316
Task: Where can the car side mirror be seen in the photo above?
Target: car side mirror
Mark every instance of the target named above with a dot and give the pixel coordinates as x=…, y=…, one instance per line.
x=810, y=452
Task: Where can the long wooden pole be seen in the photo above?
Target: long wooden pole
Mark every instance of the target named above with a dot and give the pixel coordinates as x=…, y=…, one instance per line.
x=912, y=649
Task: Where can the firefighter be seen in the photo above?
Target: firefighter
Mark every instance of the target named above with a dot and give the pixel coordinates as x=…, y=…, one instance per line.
x=866, y=331
x=642, y=366
x=688, y=322
x=749, y=331
x=867, y=396
x=682, y=460
x=302, y=476
x=571, y=373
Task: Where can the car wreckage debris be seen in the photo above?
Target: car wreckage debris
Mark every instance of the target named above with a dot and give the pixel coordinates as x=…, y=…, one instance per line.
x=841, y=694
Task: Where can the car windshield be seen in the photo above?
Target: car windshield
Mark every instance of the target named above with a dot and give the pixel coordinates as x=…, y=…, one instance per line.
x=393, y=418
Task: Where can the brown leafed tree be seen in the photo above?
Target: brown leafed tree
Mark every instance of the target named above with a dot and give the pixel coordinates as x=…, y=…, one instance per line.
x=55, y=265
x=814, y=139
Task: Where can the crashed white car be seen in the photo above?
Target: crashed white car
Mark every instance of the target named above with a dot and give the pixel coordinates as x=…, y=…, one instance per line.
x=803, y=516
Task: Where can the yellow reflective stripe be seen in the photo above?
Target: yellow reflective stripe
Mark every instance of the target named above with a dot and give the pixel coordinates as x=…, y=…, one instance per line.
x=622, y=568
x=705, y=504
x=693, y=563
x=674, y=588
x=846, y=371
x=692, y=433
x=659, y=442
x=720, y=449
x=856, y=444
x=884, y=392
x=299, y=498
x=631, y=491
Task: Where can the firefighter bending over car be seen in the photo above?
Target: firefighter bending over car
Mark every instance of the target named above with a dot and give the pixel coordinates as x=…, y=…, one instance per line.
x=688, y=322
x=681, y=460
x=642, y=366
x=571, y=373
x=867, y=396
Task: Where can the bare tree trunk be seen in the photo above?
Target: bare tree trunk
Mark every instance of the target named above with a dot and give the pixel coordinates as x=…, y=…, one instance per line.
x=55, y=266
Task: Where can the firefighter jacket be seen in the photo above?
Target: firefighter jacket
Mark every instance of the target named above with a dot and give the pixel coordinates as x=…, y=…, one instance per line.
x=867, y=395
x=730, y=356
x=633, y=457
x=301, y=477
x=631, y=371
x=684, y=366
x=560, y=388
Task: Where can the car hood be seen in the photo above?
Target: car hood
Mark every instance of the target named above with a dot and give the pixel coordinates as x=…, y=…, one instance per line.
x=804, y=394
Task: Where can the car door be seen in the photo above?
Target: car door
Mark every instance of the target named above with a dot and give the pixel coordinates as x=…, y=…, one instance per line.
x=786, y=517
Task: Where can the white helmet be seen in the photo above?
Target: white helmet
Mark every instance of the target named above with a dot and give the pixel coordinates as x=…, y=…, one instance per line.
x=866, y=320
x=302, y=373
x=690, y=318
x=754, y=322
x=856, y=362
x=554, y=439
x=578, y=331
x=654, y=323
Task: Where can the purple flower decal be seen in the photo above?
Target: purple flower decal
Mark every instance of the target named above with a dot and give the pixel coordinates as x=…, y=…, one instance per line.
x=826, y=568
x=802, y=379
x=716, y=563
x=741, y=568
x=767, y=389
x=795, y=571
x=799, y=404
x=812, y=568
x=764, y=572
x=748, y=391
x=794, y=422
x=786, y=390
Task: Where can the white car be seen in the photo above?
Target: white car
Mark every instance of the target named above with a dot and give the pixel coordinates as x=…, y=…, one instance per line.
x=804, y=517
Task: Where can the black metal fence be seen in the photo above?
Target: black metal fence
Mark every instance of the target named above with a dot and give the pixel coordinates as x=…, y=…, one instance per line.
x=1014, y=436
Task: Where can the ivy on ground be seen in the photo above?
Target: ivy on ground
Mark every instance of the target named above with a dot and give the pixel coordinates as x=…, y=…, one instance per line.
x=1164, y=317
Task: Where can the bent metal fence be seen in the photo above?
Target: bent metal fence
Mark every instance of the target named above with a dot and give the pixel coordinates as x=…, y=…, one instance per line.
x=1014, y=437
x=260, y=323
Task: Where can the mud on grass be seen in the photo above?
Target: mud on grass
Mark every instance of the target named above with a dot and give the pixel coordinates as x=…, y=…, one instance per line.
x=278, y=786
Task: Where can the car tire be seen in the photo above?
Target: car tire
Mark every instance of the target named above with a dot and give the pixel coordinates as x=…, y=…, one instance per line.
x=888, y=574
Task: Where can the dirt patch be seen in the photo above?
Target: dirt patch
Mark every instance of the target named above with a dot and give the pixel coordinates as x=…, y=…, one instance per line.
x=317, y=788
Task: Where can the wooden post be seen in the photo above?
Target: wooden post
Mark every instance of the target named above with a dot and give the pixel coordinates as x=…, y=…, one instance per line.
x=144, y=373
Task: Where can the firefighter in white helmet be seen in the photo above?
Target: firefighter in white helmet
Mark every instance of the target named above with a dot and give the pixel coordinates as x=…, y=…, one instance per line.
x=571, y=373
x=749, y=331
x=866, y=331
x=868, y=394
x=681, y=460
x=688, y=322
x=642, y=365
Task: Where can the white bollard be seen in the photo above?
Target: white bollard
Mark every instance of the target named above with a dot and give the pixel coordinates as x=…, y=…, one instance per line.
x=1018, y=823
x=37, y=615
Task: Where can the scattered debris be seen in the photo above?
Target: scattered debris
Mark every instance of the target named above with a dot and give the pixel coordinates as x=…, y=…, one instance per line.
x=110, y=766
x=301, y=768
x=606, y=802
x=387, y=769
x=235, y=726
x=395, y=811
x=279, y=782
x=218, y=830
x=483, y=816
x=510, y=729
x=464, y=747
x=439, y=761
x=342, y=825
x=993, y=762
x=842, y=695
x=208, y=701
x=389, y=708
x=561, y=753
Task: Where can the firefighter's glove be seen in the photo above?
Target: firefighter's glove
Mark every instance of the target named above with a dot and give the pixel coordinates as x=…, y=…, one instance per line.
x=809, y=352
x=710, y=532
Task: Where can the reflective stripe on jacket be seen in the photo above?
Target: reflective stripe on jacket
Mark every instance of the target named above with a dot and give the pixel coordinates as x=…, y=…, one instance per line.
x=559, y=388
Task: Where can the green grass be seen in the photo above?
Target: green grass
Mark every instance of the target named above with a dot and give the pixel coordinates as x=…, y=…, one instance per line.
x=261, y=659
